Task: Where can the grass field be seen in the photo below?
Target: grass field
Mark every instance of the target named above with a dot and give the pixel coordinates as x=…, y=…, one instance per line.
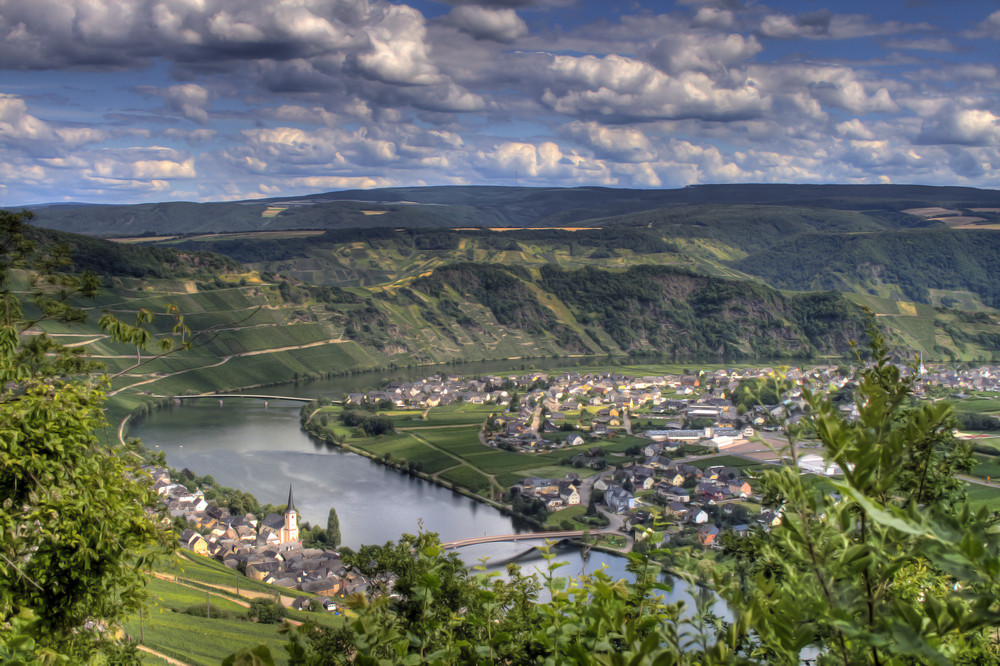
x=197, y=640
x=983, y=495
x=447, y=444
x=727, y=461
x=987, y=466
x=977, y=405
x=556, y=518
x=201, y=640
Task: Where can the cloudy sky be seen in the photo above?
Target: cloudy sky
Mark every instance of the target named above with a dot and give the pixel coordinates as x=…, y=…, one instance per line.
x=155, y=100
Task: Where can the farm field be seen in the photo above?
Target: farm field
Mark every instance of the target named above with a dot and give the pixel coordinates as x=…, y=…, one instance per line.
x=194, y=639
x=978, y=405
x=982, y=495
x=446, y=445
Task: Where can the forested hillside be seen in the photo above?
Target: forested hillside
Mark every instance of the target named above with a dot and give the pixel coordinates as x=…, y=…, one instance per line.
x=649, y=308
x=915, y=261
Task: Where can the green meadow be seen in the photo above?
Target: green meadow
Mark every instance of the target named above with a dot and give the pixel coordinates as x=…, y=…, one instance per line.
x=446, y=446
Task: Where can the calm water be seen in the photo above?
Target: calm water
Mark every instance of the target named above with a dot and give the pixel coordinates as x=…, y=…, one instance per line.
x=262, y=450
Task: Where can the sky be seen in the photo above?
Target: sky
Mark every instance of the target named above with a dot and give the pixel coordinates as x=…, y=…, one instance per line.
x=124, y=101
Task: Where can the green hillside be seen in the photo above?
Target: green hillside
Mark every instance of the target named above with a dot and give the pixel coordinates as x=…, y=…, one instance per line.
x=914, y=261
x=675, y=281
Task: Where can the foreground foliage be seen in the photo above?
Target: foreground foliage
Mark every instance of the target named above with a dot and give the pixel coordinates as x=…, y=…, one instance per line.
x=75, y=534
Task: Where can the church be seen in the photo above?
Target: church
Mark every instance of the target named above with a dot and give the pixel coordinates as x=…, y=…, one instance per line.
x=290, y=530
x=286, y=527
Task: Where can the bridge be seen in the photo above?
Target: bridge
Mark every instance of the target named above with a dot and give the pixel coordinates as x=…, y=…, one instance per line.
x=563, y=534
x=244, y=395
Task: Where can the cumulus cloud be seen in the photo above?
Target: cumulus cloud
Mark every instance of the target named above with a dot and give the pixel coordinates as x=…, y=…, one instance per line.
x=855, y=129
x=714, y=17
x=824, y=24
x=24, y=131
x=544, y=160
x=702, y=53
x=836, y=86
x=511, y=4
x=500, y=25
x=962, y=126
x=622, y=144
x=17, y=125
x=385, y=41
x=621, y=87
x=188, y=99
x=399, y=53
x=320, y=94
x=990, y=27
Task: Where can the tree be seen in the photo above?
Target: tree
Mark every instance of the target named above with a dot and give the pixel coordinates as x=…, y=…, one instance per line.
x=332, y=529
x=75, y=534
x=265, y=611
x=889, y=565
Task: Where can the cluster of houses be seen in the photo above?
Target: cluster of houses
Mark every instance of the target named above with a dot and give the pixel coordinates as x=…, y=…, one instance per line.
x=679, y=492
x=983, y=378
x=268, y=549
x=556, y=493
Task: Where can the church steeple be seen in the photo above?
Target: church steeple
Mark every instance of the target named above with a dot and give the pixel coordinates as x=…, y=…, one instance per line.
x=290, y=531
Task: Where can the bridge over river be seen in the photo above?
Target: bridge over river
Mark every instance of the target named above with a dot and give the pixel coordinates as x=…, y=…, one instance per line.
x=241, y=395
x=563, y=534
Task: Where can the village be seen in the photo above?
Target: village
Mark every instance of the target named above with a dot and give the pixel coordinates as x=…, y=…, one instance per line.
x=693, y=477
x=686, y=421
x=268, y=550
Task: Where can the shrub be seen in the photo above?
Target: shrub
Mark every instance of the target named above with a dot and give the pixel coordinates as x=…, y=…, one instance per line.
x=265, y=611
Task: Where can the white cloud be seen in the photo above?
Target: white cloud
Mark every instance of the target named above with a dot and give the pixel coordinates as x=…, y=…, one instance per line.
x=544, y=161
x=836, y=86
x=189, y=99
x=990, y=27
x=617, y=86
x=854, y=129
x=962, y=126
x=714, y=17
x=17, y=125
x=703, y=53
x=825, y=24
x=622, y=144
x=933, y=44
x=500, y=25
x=399, y=52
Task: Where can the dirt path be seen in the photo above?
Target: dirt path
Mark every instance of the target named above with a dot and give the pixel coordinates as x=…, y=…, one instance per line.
x=250, y=594
x=226, y=359
x=169, y=660
x=173, y=579
x=440, y=427
x=460, y=461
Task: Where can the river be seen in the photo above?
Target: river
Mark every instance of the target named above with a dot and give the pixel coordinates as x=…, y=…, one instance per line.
x=261, y=449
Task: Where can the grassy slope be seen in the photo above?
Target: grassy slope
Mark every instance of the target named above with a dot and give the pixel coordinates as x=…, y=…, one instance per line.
x=446, y=446
x=200, y=640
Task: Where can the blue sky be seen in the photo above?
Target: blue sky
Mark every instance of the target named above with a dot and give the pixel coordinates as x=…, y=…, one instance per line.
x=120, y=101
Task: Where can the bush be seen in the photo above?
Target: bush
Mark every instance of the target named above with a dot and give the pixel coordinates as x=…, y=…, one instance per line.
x=213, y=612
x=266, y=611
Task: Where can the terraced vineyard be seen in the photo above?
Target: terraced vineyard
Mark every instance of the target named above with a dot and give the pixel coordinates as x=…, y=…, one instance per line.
x=181, y=590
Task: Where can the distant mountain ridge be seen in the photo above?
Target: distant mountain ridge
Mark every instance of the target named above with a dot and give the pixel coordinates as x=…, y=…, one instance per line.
x=479, y=206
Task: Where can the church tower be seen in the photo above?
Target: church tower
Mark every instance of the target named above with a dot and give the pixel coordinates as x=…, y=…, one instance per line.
x=290, y=530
